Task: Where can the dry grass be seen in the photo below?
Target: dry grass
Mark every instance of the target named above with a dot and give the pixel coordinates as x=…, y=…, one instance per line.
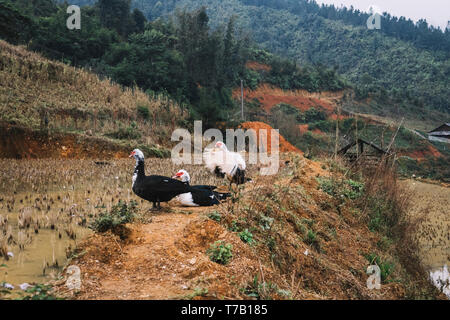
x=386, y=207
x=76, y=100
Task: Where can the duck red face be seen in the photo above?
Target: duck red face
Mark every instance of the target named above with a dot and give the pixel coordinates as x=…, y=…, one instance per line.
x=220, y=145
x=178, y=175
x=137, y=154
x=182, y=175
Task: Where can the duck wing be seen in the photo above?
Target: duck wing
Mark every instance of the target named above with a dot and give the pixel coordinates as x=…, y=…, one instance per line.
x=163, y=184
x=205, y=187
x=204, y=197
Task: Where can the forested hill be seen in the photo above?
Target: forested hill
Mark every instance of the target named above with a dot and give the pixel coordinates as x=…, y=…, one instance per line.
x=185, y=59
x=407, y=61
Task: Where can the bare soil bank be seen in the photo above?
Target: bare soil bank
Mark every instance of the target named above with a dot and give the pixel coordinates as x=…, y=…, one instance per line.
x=22, y=143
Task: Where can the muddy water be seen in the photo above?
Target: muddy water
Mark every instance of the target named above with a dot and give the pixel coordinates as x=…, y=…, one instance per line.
x=66, y=194
x=432, y=202
x=60, y=199
x=45, y=252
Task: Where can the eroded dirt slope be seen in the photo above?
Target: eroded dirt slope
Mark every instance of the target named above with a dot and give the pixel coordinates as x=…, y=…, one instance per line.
x=22, y=143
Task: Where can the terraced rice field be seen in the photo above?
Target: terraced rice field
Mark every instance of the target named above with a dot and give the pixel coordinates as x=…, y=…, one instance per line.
x=46, y=207
x=432, y=202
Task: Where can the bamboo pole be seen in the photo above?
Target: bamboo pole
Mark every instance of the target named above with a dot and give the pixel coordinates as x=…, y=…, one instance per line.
x=337, y=132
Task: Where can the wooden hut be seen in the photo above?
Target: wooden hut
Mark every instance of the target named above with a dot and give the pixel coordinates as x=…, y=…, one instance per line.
x=441, y=134
x=363, y=151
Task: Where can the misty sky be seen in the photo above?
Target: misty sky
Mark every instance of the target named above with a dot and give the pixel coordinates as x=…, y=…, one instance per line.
x=437, y=12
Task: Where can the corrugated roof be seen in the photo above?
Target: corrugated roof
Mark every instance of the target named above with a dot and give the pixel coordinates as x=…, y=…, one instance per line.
x=440, y=133
x=437, y=129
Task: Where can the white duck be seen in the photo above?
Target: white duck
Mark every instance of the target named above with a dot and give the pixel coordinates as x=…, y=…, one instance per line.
x=223, y=162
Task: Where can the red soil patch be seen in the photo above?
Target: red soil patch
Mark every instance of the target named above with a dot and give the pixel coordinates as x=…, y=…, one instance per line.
x=435, y=152
x=335, y=117
x=421, y=155
x=318, y=131
x=270, y=97
x=303, y=128
x=253, y=65
x=22, y=143
x=284, y=145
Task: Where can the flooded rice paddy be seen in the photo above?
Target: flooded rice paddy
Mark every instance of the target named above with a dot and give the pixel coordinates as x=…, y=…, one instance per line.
x=47, y=205
x=432, y=203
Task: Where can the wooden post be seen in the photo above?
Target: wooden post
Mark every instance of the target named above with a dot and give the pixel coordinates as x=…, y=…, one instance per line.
x=356, y=135
x=242, y=99
x=337, y=133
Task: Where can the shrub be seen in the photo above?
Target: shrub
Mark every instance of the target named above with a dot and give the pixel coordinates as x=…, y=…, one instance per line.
x=382, y=214
x=198, y=292
x=261, y=290
x=311, y=237
x=308, y=222
x=312, y=240
x=220, y=252
x=155, y=151
x=313, y=115
x=40, y=292
x=246, y=236
x=271, y=243
x=143, y=112
x=216, y=216
x=338, y=189
x=289, y=110
x=355, y=189
x=328, y=186
x=129, y=133
x=323, y=125
x=120, y=214
x=234, y=226
x=265, y=222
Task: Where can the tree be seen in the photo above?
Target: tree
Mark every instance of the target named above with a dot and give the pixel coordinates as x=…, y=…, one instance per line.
x=139, y=21
x=115, y=14
x=15, y=26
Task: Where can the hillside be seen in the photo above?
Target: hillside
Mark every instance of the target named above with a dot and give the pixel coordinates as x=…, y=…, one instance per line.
x=411, y=78
x=86, y=116
x=189, y=59
x=111, y=119
x=308, y=121
x=301, y=234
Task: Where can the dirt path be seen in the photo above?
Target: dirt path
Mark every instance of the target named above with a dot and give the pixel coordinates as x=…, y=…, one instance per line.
x=164, y=259
x=153, y=260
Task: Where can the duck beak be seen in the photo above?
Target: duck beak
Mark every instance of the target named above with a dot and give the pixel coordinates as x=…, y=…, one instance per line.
x=132, y=154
